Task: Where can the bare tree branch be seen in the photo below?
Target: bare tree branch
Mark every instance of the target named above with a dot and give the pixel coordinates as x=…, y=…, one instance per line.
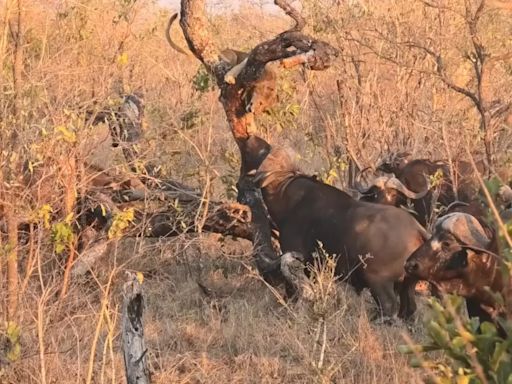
x=441, y=71
x=291, y=46
x=431, y=4
x=293, y=13
x=194, y=23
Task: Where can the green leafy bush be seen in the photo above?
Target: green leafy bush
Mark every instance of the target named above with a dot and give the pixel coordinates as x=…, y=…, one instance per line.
x=468, y=356
x=203, y=81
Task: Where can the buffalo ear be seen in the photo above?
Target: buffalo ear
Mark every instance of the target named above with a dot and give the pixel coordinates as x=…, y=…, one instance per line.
x=459, y=260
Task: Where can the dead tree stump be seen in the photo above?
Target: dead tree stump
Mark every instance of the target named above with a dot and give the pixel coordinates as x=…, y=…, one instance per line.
x=134, y=349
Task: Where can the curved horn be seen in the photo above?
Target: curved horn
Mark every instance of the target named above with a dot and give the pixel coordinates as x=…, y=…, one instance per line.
x=168, y=36
x=465, y=228
x=481, y=250
x=456, y=204
x=395, y=183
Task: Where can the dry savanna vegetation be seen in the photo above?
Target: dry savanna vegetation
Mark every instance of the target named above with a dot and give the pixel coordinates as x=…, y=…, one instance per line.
x=433, y=78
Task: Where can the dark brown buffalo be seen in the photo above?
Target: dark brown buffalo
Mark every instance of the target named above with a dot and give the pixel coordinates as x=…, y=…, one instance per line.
x=460, y=258
x=411, y=182
x=372, y=241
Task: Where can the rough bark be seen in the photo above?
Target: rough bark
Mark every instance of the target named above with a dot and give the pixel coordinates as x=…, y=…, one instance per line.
x=290, y=48
x=134, y=348
x=266, y=259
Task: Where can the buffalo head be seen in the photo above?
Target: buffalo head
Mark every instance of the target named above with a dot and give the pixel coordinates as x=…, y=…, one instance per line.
x=253, y=150
x=395, y=162
x=457, y=237
x=390, y=191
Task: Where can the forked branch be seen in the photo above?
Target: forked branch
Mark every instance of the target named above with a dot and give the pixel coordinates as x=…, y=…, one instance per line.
x=290, y=47
x=242, y=84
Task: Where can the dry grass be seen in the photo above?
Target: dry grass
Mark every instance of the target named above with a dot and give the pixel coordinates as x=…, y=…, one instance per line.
x=239, y=334
x=81, y=54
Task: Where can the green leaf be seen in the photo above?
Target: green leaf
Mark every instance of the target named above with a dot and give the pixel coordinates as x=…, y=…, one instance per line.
x=13, y=332
x=293, y=109
x=120, y=222
x=459, y=342
x=438, y=334
x=462, y=379
x=122, y=59
x=62, y=235
x=65, y=134
x=488, y=328
x=493, y=185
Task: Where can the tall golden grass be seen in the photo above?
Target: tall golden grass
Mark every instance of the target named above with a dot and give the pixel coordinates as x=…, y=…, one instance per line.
x=380, y=97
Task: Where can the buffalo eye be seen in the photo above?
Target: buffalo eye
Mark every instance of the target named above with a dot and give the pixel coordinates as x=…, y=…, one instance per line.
x=459, y=260
x=445, y=244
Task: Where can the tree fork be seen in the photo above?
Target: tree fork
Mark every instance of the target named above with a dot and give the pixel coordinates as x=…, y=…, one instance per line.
x=290, y=48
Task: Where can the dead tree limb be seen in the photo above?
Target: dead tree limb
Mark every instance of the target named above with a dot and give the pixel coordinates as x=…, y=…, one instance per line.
x=289, y=48
x=162, y=207
x=265, y=257
x=134, y=348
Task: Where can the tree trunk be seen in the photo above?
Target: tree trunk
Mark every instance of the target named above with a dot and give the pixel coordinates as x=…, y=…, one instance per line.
x=289, y=48
x=488, y=131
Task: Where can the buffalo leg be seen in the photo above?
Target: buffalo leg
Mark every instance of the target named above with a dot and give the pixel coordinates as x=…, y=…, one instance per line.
x=293, y=240
x=475, y=310
x=297, y=283
x=384, y=294
x=407, y=298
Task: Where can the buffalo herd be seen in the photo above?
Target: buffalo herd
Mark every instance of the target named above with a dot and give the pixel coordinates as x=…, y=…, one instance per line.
x=443, y=236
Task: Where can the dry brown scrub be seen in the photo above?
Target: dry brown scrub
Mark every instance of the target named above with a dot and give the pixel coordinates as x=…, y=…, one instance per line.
x=77, y=55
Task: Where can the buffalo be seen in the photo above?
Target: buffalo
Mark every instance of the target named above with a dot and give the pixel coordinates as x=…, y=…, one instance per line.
x=371, y=241
x=460, y=258
x=411, y=182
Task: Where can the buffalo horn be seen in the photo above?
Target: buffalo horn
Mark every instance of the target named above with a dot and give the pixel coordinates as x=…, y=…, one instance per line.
x=384, y=182
x=481, y=250
x=465, y=228
x=395, y=183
